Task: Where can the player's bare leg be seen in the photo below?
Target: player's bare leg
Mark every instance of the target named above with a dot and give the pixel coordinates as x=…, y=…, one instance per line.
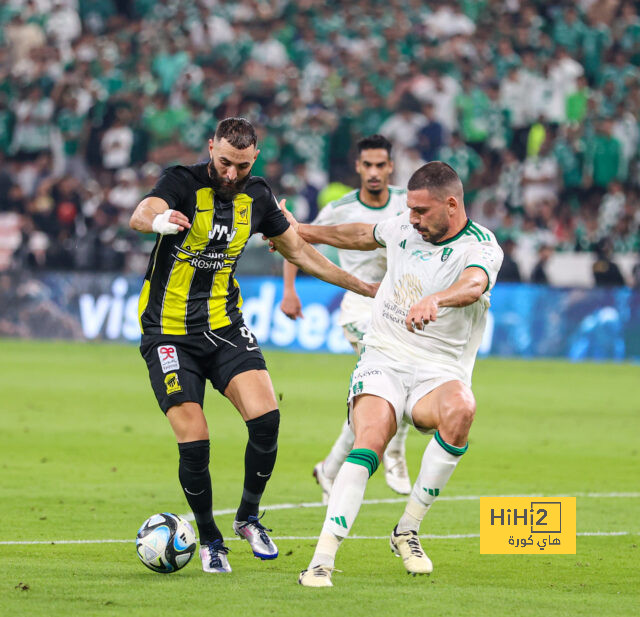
x=190, y=428
x=396, y=473
x=450, y=410
x=374, y=423
x=251, y=392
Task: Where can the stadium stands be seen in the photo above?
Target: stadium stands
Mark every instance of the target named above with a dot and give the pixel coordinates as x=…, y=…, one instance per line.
x=534, y=103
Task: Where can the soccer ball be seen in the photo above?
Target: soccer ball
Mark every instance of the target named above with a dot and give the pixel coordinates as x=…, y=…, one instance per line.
x=165, y=543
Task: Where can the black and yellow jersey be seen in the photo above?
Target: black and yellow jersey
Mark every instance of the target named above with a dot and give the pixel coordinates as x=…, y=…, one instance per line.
x=189, y=286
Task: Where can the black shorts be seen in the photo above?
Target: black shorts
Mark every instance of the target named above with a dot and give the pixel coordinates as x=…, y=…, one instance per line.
x=179, y=365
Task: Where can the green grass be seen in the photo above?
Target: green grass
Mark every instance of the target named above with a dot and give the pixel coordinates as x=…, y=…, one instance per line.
x=85, y=454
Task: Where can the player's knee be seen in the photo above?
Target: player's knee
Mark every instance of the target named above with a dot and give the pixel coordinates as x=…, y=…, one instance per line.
x=188, y=422
x=263, y=431
x=458, y=414
x=372, y=437
x=194, y=455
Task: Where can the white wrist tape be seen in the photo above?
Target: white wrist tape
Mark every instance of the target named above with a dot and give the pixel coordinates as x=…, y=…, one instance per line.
x=161, y=224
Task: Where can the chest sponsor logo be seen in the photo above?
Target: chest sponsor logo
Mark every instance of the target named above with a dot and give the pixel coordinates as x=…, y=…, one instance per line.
x=168, y=355
x=220, y=232
x=445, y=254
x=403, y=244
x=172, y=383
x=205, y=260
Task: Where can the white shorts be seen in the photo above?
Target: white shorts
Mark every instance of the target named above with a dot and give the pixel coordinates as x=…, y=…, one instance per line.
x=403, y=385
x=354, y=330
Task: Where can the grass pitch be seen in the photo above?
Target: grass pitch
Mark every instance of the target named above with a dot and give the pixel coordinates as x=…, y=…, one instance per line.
x=86, y=454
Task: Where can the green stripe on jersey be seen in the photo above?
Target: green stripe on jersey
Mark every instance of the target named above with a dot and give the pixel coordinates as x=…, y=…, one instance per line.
x=376, y=237
x=483, y=235
x=485, y=271
x=475, y=232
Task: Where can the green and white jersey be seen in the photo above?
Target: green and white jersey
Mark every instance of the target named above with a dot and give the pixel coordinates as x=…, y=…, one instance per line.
x=368, y=266
x=415, y=269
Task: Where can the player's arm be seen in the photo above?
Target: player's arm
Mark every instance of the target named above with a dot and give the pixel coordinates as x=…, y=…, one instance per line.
x=290, y=305
x=466, y=290
x=357, y=236
x=294, y=249
x=153, y=215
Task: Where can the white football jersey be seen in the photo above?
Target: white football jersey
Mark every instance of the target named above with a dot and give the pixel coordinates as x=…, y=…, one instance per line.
x=416, y=269
x=368, y=266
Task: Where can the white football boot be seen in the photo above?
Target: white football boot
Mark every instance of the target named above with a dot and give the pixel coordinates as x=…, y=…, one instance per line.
x=320, y=576
x=255, y=533
x=396, y=473
x=323, y=481
x=407, y=545
x=214, y=557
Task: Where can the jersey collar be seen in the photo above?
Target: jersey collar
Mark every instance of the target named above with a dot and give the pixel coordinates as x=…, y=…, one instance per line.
x=372, y=207
x=466, y=226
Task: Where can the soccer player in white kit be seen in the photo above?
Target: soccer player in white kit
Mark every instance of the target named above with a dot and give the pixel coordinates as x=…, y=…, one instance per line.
x=374, y=202
x=428, y=319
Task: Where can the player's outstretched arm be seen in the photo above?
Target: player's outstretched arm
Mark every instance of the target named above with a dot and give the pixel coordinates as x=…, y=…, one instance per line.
x=290, y=305
x=357, y=236
x=153, y=215
x=294, y=249
x=466, y=290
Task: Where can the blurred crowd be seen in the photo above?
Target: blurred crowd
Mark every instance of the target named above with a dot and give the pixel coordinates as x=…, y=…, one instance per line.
x=535, y=104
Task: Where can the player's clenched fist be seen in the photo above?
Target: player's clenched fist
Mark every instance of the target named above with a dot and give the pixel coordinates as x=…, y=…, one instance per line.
x=421, y=313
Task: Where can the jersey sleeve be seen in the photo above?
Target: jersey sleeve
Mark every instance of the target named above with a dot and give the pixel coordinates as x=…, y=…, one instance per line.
x=488, y=257
x=272, y=222
x=383, y=232
x=173, y=187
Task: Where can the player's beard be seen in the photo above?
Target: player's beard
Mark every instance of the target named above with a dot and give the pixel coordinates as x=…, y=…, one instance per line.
x=224, y=189
x=376, y=190
x=437, y=230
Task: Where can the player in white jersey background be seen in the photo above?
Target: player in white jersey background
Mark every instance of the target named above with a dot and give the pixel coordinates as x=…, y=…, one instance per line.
x=428, y=319
x=374, y=202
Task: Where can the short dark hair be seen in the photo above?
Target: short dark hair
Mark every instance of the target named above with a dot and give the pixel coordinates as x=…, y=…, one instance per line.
x=374, y=142
x=434, y=176
x=237, y=131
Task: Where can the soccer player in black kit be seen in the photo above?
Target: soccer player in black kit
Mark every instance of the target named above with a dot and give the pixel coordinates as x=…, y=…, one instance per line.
x=192, y=326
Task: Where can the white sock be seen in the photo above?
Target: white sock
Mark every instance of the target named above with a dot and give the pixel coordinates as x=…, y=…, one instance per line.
x=438, y=463
x=339, y=452
x=344, y=504
x=397, y=442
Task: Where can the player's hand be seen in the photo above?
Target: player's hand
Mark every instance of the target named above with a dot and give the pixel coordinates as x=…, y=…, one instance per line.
x=272, y=246
x=421, y=313
x=288, y=215
x=170, y=222
x=291, y=305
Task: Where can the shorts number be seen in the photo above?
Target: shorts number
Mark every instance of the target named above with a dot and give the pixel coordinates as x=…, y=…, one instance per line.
x=246, y=333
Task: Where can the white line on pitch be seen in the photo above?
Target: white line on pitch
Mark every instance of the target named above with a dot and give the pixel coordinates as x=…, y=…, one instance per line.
x=452, y=536
x=319, y=504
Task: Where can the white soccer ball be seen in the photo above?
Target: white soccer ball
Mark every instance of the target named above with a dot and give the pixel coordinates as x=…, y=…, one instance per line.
x=165, y=543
